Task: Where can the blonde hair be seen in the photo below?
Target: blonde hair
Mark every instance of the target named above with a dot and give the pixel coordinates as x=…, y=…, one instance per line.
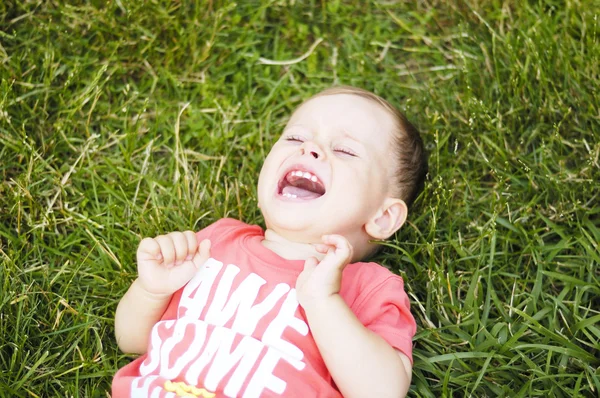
x=411, y=158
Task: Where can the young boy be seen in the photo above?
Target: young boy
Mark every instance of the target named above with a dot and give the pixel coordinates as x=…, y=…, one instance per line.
x=235, y=311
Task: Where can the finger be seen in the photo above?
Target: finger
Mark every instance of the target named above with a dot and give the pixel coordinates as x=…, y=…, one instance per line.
x=167, y=249
x=204, y=248
x=202, y=254
x=334, y=240
x=310, y=263
x=340, y=256
x=321, y=248
x=149, y=249
x=182, y=274
x=192, y=244
x=341, y=244
x=181, y=246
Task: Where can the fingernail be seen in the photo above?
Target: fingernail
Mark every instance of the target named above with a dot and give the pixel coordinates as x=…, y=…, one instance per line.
x=188, y=258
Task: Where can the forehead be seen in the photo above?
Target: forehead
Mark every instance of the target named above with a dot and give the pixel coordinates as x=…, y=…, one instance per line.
x=359, y=117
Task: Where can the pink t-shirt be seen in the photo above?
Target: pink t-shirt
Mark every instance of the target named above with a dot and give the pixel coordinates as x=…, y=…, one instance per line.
x=237, y=330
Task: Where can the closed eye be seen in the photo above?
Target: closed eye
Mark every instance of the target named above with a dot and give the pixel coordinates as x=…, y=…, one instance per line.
x=345, y=152
x=295, y=138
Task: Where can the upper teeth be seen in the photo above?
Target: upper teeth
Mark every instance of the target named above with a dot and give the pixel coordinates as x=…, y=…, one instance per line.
x=304, y=174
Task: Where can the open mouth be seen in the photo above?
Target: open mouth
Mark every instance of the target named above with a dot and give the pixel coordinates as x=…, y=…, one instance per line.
x=298, y=184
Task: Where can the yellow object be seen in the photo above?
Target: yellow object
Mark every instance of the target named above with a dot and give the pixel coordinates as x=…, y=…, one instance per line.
x=185, y=390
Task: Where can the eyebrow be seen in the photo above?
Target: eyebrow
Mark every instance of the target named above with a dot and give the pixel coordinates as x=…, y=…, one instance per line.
x=346, y=134
x=342, y=130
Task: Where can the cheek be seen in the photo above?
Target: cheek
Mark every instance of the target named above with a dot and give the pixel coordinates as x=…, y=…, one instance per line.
x=357, y=179
x=267, y=164
x=263, y=179
x=365, y=185
x=268, y=172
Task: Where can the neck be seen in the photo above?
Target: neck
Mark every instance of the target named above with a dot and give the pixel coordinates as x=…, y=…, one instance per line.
x=289, y=249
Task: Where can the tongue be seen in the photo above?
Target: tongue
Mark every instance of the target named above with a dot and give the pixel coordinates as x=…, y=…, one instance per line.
x=300, y=192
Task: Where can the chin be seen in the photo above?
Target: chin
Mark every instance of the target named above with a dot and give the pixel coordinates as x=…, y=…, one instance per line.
x=291, y=221
x=294, y=225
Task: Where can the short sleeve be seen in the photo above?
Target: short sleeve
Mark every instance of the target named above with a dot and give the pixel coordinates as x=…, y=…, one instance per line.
x=385, y=310
x=216, y=229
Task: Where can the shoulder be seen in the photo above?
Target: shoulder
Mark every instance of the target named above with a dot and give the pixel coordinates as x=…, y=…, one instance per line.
x=377, y=297
x=227, y=228
x=361, y=281
x=369, y=274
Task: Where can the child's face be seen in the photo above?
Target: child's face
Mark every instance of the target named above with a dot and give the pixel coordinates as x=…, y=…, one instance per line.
x=330, y=170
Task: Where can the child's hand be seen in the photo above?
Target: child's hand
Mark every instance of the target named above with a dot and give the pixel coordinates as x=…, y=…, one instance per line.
x=168, y=262
x=320, y=280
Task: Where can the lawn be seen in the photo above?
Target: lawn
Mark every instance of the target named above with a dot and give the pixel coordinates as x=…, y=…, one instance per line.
x=123, y=119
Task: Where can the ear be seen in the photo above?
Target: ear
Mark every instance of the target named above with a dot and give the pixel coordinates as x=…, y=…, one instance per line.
x=388, y=219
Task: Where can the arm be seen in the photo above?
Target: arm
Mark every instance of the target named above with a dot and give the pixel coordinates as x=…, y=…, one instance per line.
x=165, y=264
x=132, y=326
x=361, y=362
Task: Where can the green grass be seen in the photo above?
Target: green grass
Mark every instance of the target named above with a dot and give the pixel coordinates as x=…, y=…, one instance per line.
x=124, y=119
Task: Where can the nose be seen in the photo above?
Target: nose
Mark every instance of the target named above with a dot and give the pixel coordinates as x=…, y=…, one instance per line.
x=310, y=148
